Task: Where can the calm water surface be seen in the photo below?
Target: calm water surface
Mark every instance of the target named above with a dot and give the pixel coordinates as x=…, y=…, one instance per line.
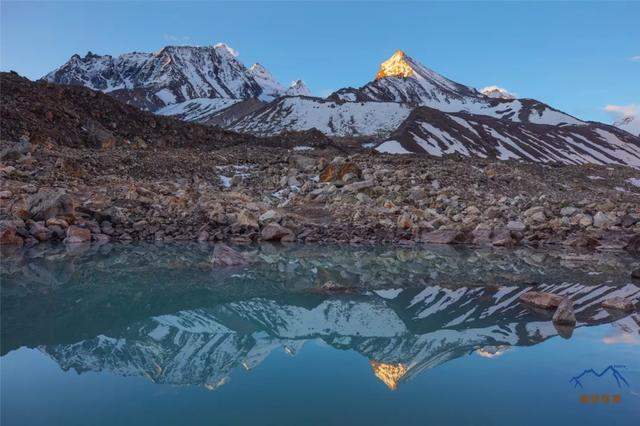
x=143, y=334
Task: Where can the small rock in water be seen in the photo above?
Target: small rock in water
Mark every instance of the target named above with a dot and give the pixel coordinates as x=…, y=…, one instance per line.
x=619, y=304
x=223, y=255
x=541, y=300
x=564, y=313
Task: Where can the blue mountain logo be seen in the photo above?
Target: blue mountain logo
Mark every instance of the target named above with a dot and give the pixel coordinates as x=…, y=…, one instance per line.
x=613, y=369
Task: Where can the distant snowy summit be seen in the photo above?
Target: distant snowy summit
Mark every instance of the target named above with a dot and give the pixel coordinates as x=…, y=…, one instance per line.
x=497, y=93
x=173, y=75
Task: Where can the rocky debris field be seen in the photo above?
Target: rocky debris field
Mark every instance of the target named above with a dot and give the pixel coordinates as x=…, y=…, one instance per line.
x=249, y=192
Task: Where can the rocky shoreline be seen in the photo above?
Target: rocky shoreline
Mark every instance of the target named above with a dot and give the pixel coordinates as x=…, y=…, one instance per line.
x=245, y=193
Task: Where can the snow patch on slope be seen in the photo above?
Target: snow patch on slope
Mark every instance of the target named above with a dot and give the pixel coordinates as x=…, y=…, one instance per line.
x=331, y=118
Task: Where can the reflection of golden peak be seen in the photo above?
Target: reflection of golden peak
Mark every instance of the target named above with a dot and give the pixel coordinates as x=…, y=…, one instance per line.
x=492, y=351
x=395, y=66
x=390, y=374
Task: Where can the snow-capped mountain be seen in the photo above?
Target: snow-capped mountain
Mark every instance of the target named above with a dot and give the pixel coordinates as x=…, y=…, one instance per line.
x=210, y=85
x=173, y=75
x=403, y=79
x=437, y=133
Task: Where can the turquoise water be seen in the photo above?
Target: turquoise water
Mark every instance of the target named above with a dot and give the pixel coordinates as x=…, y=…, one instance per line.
x=143, y=334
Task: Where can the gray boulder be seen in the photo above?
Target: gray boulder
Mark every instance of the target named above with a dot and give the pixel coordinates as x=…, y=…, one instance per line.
x=47, y=204
x=564, y=313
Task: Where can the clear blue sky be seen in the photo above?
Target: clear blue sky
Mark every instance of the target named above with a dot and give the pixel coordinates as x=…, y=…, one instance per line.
x=575, y=56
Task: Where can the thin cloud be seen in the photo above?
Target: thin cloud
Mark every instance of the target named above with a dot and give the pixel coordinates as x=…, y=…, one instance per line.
x=621, y=111
x=635, y=58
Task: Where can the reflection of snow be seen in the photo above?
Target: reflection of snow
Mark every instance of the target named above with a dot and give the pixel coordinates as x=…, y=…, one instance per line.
x=402, y=335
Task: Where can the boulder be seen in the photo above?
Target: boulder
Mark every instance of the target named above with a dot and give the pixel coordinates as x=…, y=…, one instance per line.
x=635, y=274
x=359, y=186
x=224, y=255
x=603, y=220
x=585, y=220
x=404, y=221
x=98, y=135
x=76, y=235
x=57, y=222
x=541, y=299
x=246, y=220
x=302, y=162
x=16, y=151
x=564, y=313
x=482, y=234
x=39, y=231
x=516, y=225
x=502, y=238
x=275, y=232
x=568, y=211
x=633, y=245
x=47, y=204
x=618, y=304
x=336, y=171
x=269, y=216
x=8, y=234
x=442, y=236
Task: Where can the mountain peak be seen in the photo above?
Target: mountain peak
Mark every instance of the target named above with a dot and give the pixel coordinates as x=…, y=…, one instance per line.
x=396, y=66
x=298, y=88
x=497, y=93
x=225, y=49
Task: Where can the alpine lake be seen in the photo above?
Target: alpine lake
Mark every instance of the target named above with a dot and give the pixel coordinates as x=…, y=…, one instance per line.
x=129, y=334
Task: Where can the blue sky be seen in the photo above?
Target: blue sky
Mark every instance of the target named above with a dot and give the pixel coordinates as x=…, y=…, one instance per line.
x=575, y=56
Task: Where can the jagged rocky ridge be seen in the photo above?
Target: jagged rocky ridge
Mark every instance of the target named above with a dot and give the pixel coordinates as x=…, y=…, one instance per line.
x=173, y=75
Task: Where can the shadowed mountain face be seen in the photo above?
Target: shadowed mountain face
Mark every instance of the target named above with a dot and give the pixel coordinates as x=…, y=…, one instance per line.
x=163, y=313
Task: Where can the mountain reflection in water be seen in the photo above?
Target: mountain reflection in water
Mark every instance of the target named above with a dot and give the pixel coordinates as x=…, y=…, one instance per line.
x=163, y=313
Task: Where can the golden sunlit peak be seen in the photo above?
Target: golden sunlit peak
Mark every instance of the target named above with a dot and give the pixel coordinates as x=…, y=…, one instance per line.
x=395, y=66
x=390, y=374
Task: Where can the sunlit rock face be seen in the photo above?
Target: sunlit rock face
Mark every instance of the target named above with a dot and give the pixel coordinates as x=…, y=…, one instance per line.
x=395, y=66
x=390, y=374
